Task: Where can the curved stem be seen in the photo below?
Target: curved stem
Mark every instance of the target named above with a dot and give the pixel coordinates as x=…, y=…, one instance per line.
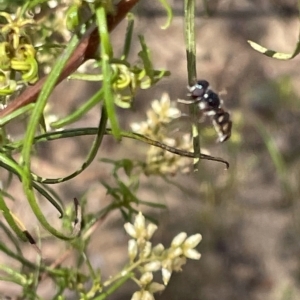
x=50, y=136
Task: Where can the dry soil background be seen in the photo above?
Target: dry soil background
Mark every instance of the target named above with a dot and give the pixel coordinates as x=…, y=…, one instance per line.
x=250, y=248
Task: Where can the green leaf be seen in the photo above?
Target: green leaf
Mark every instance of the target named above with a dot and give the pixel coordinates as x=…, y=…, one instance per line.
x=128, y=37
x=106, y=55
x=168, y=9
x=144, y=54
x=274, y=54
x=24, y=171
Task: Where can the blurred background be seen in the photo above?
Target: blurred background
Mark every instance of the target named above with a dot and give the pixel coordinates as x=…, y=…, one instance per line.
x=249, y=214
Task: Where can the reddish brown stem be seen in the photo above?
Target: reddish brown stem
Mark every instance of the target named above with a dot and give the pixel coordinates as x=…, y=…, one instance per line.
x=86, y=49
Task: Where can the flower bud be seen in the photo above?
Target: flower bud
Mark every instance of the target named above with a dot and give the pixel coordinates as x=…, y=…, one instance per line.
x=152, y=266
x=132, y=249
x=139, y=223
x=193, y=240
x=178, y=240
x=158, y=249
x=147, y=250
x=192, y=254
x=146, y=295
x=146, y=278
x=130, y=229
x=166, y=275
x=175, y=253
x=155, y=287
x=137, y=296
x=151, y=228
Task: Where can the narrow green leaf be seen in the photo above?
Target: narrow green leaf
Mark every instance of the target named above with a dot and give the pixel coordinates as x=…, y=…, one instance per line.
x=25, y=160
x=169, y=11
x=144, y=54
x=128, y=36
x=106, y=55
x=153, y=204
x=10, y=220
x=275, y=54
x=19, y=112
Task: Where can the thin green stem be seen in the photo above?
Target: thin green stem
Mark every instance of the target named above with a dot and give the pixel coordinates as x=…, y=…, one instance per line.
x=92, y=131
x=35, y=118
x=114, y=287
x=190, y=41
x=106, y=55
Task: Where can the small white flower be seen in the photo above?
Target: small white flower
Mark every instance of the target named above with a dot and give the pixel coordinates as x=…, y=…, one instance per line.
x=142, y=295
x=165, y=99
x=155, y=287
x=156, y=106
x=139, y=222
x=146, y=295
x=158, y=249
x=132, y=249
x=130, y=229
x=193, y=240
x=173, y=253
x=152, y=266
x=178, y=240
x=160, y=161
x=141, y=128
x=137, y=296
x=190, y=243
x=151, y=228
x=137, y=230
x=166, y=275
x=146, y=250
x=174, y=113
x=146, y=278
x=192, y=254
x=152, y=117
x=135, y=127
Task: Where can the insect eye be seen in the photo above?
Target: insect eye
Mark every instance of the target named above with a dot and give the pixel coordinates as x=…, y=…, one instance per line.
x=202, y=84
x=212, y=99
x=199, y=89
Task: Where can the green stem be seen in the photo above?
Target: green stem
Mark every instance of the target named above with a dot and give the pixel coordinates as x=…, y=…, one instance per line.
x=114, y=287
x=92, y=131
x=190, y=41
x=36, y=115
x=106, y=55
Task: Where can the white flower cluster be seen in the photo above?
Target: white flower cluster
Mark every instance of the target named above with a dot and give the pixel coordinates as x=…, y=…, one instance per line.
x=147, y=259
x=158, y=160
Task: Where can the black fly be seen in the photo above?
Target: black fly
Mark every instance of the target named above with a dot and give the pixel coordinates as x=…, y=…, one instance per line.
x=210, y=104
